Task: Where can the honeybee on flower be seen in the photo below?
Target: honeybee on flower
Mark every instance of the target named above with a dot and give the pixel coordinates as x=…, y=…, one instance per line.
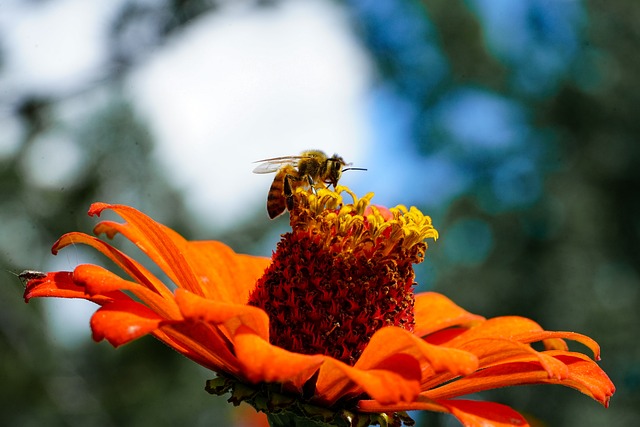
x=312, y=168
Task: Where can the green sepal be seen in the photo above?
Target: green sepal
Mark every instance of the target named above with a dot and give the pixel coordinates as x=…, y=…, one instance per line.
x=290, y=411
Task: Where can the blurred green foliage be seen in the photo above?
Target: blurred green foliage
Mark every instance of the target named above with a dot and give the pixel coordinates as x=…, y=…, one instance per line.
x=546, y=225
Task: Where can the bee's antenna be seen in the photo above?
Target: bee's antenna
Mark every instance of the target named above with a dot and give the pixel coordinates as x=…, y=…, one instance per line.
x=354, y=169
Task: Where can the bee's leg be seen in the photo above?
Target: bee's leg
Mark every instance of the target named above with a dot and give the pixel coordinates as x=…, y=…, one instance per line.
x=288, y=191
x=311, y=185
x=288, y=187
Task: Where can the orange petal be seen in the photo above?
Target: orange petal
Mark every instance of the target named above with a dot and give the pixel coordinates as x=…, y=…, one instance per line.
x=584, y=375
x=522, y=330
x=98, y=281
x=60, y=284
x=130, y=266
x=200, y=342
x=264, y=362
x=201, y=309
x=226, y=275
x=473, y=413
x=393, y=340
x=395, y=379
x=122, y=321
x=385, y=347
x=492, y=352
x=332, y=384
x=470, y=413
x=556, y=337
x=214, y=263
x=137, y=236
x=497, y=327
x=434, y=312
x=154, y=239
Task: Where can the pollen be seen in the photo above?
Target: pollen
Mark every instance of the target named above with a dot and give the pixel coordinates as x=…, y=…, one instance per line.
x=343, y=272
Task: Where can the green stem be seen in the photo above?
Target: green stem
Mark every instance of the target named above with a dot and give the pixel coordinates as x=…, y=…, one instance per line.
x=288, y=419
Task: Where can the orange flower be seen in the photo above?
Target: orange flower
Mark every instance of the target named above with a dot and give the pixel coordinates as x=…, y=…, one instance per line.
x=327, y=329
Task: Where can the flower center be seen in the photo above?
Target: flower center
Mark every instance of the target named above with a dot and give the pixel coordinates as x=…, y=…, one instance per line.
x=342, y=273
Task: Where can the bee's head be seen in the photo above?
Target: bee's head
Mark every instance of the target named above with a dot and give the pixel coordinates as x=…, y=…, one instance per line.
x=335, y=164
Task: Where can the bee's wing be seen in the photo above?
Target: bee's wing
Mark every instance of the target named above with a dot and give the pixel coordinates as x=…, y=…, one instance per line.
x=272, y=165
x=267, y=167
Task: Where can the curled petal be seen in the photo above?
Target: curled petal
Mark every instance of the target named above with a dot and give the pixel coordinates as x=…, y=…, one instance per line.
x=155, y=241
x=497, y=327
x=584, y=375
x=435, y=312
x=264, y=362
x=99, y=281
x=201, y=342
x=122, y=321
x=556, y=339
x=130, y=266
x=492, y=352
x=214, y=264
x=60, y=284
x=395, y=379
x=393, y=340
x=197, y=308
x=522, y=330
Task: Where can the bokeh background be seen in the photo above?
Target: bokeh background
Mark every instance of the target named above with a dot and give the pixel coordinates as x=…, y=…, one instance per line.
x=514, y=124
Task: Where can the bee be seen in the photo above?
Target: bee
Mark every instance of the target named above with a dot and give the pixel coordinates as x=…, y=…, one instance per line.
x=312, y=168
